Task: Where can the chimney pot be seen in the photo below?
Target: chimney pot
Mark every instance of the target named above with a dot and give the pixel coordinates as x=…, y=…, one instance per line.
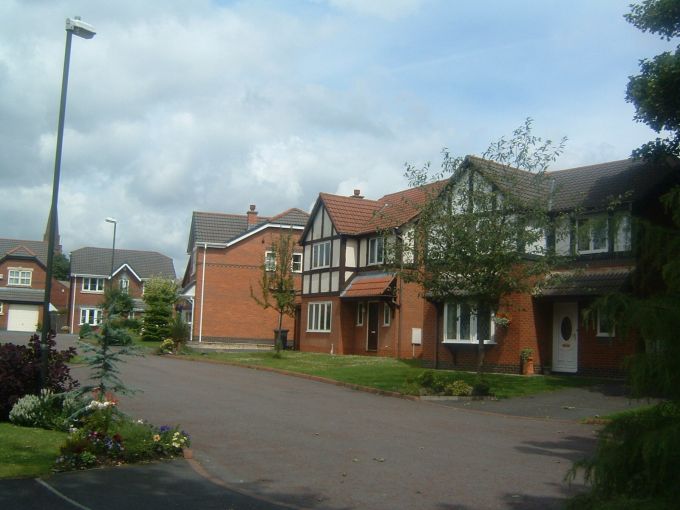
x=357, y=194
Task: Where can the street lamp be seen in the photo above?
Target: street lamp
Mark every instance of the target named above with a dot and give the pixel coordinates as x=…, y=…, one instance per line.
x=113, y=250
x=81, y=29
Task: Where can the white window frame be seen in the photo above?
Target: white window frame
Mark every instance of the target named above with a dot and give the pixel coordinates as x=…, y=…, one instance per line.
x=387, y=314
x=124, y=284
x=361, y=312
x=473, y=327
x=319, y=316
x=21, y=277
x=296, y=263
x=376, y=251
x=91, y=316
x=88, y=288
x=2, y=308
x=270, y=260
x=589, y=224
x=321, y=255
x=602, y=330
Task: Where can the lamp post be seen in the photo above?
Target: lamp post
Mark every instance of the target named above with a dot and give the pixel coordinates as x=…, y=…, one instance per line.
x=81, y=29
x=113, y=249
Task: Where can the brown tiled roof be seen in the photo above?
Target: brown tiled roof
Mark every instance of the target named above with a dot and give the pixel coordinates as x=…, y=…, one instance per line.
x=350, y=215
x=97, y=261
x=587, y=282
x=294, y=216
x=370, y=285
x=21, y=248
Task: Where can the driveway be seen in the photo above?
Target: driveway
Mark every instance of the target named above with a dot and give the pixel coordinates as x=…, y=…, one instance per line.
x=315, y=445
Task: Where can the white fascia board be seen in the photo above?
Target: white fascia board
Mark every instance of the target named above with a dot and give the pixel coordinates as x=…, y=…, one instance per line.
x=86, y=275
x=190, y=292
x=129, y=269
x=260, y=229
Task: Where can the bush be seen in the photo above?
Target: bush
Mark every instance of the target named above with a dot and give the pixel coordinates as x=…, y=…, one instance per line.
x=47, y=410
x=20, y=371
x=433, y=382
x=481, y=388
x=167, y=346
x=85, y=330
x=458, y=388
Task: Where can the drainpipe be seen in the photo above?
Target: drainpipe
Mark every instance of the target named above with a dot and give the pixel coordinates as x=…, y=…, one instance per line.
x=193, y=308
x=200, y=321
x=73, y=301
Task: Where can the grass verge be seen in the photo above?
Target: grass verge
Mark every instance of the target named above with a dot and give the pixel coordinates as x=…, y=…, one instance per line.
x=28, y=452
x=389, y=374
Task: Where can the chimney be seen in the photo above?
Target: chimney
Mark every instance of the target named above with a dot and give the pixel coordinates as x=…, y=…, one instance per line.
x=357, y=194
x=252, y=215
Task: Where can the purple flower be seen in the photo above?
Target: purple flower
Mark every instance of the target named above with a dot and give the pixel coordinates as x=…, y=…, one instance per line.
x=164, y=428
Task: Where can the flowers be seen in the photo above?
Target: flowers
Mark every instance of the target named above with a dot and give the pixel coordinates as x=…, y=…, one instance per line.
x=156, y=438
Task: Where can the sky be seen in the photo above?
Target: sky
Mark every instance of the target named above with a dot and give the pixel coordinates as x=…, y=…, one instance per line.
x=181, y=106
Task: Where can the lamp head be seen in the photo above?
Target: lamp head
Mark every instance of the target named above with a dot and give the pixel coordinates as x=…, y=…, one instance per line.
x=111, y=220
x=80, y=28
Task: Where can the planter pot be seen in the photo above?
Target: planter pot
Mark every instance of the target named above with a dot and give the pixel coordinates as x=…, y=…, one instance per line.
x=528, y=367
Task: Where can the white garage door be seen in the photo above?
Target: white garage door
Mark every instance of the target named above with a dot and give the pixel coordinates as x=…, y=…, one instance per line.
x=22, y=317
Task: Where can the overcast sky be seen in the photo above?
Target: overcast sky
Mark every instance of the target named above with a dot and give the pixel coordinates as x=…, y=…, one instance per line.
x=181, y=105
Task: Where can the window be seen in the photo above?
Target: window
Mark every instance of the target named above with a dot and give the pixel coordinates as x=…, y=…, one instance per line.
x=387, y=314
x=321, y=255
x=361, y=310
x=297, y=263
x=591, y=235
x=605, y=327
x=93, y=284
x=269, y=260
x=21, y=277
x=376, y=250
x=91, y=316
x=124, y=284
x=2, y=309
x=319, y=317
x=463, y=325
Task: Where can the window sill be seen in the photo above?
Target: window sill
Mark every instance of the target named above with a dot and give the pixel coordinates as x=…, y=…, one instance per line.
x=314, y=331
x=92, y=291
x=468, y=342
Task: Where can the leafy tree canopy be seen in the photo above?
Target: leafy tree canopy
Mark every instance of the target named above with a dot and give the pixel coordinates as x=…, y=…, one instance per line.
x=61, y=266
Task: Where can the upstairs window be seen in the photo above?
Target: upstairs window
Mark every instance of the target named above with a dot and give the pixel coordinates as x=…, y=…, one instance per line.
x=124, y=284
x=269, y=260
x=376, y=251
x=321, y=255
x=464, y=324
x=297, y=263
x=592, y=235
x=20, y=277
x=93, y=284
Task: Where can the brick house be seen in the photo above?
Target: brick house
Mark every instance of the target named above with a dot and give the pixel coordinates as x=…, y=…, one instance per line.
x=226, y=255
x=352, y=304
x=22, y=285
x=91, y=272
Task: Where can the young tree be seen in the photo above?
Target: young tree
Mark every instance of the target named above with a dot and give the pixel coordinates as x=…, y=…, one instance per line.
x=277, y=283
x=160, y=295
x=479, y=233
x=636, y=464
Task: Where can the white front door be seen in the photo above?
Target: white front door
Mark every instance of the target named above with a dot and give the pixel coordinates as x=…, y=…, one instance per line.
x=23, y=317
x=565, y=337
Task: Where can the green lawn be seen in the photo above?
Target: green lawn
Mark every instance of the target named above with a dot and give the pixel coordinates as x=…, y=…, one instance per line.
x=27, y=452
x=389, y=374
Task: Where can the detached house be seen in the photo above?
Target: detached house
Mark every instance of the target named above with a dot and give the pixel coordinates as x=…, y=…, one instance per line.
x=352, y=303
x=226, y=255
x=92, y=269
x=22, y=285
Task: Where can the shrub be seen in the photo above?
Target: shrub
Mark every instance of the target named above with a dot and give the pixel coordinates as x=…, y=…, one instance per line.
x=85, y=330
x=20, y=371
x=47, y=410
x=432, y=381
x=481, y=388
x=458, y=388
x=167, y=346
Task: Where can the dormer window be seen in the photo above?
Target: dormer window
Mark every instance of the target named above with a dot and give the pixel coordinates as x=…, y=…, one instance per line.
x=124, y=284
x=376, y=250
x=591, y=234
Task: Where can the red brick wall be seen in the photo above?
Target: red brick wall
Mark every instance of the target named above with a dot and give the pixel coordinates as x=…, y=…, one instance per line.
x=230, y=313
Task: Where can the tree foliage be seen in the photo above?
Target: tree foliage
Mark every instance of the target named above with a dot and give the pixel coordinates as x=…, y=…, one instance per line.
x=277, y=281
x=61, y=266
x=479, y=233
x=654, y=92
x=160, y=296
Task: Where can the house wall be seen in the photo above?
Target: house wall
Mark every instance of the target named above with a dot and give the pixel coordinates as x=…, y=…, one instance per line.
x=230, y=313
x=58, y=295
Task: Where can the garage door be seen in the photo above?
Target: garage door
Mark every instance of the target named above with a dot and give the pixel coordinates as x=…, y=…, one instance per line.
x=23, y=317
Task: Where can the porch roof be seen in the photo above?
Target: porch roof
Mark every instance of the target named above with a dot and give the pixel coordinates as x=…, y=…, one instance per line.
x=19, y=295
x=370, y=285
x=588, y=282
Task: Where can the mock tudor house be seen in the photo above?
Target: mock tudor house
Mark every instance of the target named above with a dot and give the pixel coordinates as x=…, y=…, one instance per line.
x=226, y=255
x=92, y=269
x=352, y=303
x=22, y=285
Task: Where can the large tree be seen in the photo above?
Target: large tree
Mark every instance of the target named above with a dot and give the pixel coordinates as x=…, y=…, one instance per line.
x=637, y=464
x=480, y=235
x=160, y=295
